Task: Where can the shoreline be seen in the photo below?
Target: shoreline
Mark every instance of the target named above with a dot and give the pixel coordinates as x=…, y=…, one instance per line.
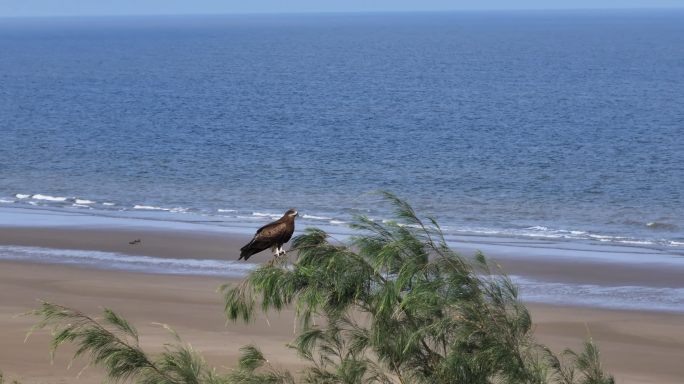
x=241, y=221
x=609, y=278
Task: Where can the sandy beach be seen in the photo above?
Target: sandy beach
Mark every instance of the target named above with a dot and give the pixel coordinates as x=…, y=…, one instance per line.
x=637, y=346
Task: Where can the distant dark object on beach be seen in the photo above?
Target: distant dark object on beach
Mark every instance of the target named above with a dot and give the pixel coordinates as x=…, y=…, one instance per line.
x=134, y=242
x=272, y=235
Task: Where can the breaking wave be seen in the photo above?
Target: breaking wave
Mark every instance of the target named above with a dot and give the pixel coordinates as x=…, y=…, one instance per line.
x=49, y=198
x=151, y=208
x=316, y=217
x=656, y=225
x=272, y=215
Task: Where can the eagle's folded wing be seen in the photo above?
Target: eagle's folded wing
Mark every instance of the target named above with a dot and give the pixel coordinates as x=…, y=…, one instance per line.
x=266, y=237
x=270, y=233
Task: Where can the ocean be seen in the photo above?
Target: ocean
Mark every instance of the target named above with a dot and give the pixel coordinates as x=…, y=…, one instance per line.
x=551, y=125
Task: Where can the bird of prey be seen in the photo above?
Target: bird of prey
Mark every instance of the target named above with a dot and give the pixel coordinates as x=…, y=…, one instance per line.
x=272, y=235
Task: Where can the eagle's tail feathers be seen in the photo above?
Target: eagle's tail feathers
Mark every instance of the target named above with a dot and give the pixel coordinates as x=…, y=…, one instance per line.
x=248, y=251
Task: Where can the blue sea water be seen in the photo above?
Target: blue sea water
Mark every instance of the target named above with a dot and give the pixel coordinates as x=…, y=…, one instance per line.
x=567, y=125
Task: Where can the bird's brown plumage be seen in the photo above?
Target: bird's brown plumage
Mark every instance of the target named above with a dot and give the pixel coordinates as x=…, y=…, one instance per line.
x=272, y=235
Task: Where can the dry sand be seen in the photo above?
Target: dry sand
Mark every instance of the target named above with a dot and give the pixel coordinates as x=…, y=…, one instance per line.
x=638, y=347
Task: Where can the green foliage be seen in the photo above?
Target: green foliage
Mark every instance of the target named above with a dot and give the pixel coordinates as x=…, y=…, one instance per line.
x=395, y=303
x=391, y=304
x=253, y=368
x=2, y=379
x=587, y=362
x=111, y=343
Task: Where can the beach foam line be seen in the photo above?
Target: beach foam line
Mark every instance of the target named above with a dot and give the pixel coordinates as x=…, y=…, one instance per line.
x=120, y=261
x=6, y=201
x=109, y=204
x=547, y=233
x=151, y=208
x=273, y=215
x=49, y=198
x=316, y=217
x=83, y=201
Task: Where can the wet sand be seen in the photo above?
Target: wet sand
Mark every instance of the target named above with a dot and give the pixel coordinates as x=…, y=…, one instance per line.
x=637, y=346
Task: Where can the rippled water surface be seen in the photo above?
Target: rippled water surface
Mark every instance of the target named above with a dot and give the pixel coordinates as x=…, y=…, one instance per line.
x=568, y=125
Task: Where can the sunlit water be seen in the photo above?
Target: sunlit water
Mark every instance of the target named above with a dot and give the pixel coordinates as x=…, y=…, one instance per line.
x=554, y=125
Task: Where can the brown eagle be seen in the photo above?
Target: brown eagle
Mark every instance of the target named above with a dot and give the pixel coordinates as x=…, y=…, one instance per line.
x=272, y=235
